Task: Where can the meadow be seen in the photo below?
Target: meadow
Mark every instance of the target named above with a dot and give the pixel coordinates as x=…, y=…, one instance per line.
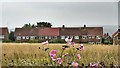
x=36, y=54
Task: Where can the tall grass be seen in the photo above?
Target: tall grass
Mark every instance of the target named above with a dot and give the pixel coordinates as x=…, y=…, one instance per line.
x=29, y=54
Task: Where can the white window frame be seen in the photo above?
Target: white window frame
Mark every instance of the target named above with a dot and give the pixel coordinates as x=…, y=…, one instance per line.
x=32, y=37
x=18, y=37
x=50, y=37
x=62, y=37
x=46, y=37
x=93, y=37
x=89, y=37
x=27, y=37
x=2, y=36
x=23, y=37
x=55, y=37
x=84, y=37
x=97, y=37
x=76, y=37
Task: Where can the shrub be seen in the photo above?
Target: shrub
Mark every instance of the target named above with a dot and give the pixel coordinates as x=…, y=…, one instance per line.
x=33, y=41
x=57, y=41
x=6, y=41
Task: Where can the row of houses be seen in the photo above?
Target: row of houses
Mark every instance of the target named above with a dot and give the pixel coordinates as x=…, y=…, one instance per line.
x=79, y=34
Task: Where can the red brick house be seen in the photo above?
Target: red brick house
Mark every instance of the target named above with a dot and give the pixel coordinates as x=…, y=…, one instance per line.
x=91, y=34
x=4, y=33
x=116, y=38
x=79, y=34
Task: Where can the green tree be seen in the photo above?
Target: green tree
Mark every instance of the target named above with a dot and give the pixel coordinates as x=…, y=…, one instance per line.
x=27, y=26
x=44, y=24
x=11, y=36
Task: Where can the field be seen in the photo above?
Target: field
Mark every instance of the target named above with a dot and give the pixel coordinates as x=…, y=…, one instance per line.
x=36, y=54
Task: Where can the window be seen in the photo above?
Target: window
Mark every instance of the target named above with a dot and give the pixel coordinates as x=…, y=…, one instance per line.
x=23, y=37
x=1, y=36
x=62, y=37
x=76, y=37
x=84, y=37
x=89, y=37
x=18, y=38
x=54, y=37
x=32, y=37
x=46, y=37
x=49, y=37
x=93, y=37
x=97, y=37
x=27, y=37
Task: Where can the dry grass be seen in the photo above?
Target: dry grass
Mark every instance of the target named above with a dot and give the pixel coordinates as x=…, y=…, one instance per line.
x=32, y=53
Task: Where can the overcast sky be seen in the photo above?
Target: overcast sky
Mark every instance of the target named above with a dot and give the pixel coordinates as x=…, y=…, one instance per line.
x=16, y=14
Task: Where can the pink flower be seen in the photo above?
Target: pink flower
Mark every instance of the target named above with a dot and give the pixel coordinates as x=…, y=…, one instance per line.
x=78, y=56
x=65, y=55
x=73, y=43
x=52, y=52
x=81, y=47
x=44, y=43
x=68, y=39
x=54, y=57
x=95, y=64
x=74, y=64
x=90, y=64
x=59, y=60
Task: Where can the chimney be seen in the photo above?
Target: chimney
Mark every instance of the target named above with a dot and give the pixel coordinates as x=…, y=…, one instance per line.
x=63, y=26
x=107, y=34
x=84, y=26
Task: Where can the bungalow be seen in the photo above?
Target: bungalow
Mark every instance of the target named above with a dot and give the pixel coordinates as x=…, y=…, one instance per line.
x=79, y=34
x=4, y=33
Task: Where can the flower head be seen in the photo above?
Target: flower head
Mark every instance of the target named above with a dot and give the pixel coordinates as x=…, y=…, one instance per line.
x=81, y=47
x=74, y=64
x=59, y=60
x=73, y=43
x=65, y=55
x=54, y=57
x=52, y=52
x=78, y=56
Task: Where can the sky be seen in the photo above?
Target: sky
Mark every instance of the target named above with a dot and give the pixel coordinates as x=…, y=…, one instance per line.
x=71, y=13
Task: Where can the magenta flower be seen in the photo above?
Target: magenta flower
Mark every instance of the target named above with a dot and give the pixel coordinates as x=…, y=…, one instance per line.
x=65, y=55
x=73, y=43
x=54, y=57
x=78, y=56
x=81, y=47
x=74, y=64
x=52, y=52
x=95, y=64
x=59, y=60
x=90, y=64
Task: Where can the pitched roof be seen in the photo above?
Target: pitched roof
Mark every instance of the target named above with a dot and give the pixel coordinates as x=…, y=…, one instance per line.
x=3, y=31
x=95, y=31
x=67, y=31
x=48, y=32
x=115, y=34
x=25, y=31
x=70, y=31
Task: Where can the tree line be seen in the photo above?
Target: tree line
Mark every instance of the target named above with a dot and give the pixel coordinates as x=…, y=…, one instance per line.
x=39, y=24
